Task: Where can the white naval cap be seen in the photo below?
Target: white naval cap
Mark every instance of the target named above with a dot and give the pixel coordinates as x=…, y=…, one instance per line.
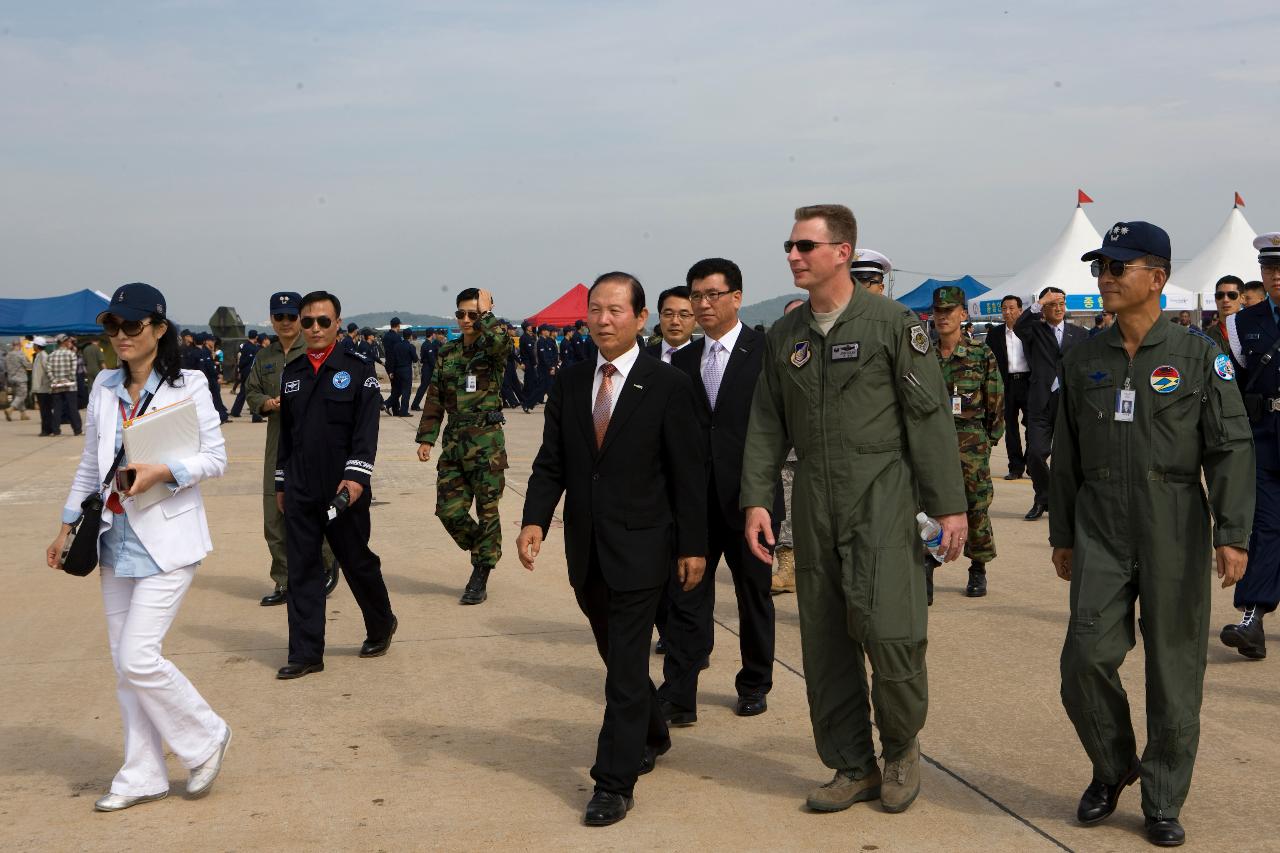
x=869, y=260
x=1268, y=246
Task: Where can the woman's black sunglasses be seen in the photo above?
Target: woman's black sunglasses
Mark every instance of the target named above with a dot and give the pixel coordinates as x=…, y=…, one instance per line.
x=131, y=328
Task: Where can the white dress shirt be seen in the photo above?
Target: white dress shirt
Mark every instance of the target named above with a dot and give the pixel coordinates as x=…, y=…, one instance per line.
x=1015, y=354
x=623, y=364
x=668, y=349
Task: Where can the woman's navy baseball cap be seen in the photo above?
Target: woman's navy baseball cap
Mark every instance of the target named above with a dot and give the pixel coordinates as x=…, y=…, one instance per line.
x=136, y=301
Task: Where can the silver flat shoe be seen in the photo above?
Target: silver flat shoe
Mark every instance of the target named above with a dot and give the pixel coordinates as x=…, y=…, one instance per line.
x=116, y=802
x=202, y=777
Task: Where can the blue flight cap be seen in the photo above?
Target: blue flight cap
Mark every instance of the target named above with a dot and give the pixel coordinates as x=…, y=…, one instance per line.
x=136, y=301
x=1128, y=240
x=286, y=302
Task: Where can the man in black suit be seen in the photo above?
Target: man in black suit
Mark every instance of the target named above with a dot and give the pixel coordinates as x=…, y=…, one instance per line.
x=1011, y=359
x=723, y=366
x=619, y=442
x=1045, y=335
x=675, y=323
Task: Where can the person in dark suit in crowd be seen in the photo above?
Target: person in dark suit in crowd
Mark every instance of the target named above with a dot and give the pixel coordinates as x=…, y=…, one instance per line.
x=244, y=363
x=723, y=366
x=406, y=358
x=1046, y=336
x=430, y=349
x=1011, y=359
x=390, y=349
x=676, y=323
x=619, y=442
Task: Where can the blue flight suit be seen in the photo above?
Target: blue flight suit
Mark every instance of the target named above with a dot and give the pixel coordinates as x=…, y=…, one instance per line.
x=529, y=360
x=244, y=364
x=430, y=349
x=406, y=356
x=547, y=353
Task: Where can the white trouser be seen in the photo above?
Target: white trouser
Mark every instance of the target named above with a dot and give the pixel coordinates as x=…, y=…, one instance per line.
x=157, y=702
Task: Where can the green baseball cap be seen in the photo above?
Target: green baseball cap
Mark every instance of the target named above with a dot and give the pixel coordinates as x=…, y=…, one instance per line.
x=948, y=296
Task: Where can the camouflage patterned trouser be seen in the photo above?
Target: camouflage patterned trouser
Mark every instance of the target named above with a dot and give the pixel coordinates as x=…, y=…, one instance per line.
x=975, y=463
x=788, y=477
x=473, y=469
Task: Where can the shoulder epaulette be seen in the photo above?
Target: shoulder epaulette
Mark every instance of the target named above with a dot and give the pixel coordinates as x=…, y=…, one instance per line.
x=357, y=354
x=1199, y=332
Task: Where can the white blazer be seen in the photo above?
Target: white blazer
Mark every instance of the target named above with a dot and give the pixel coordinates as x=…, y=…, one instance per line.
x=175, y=530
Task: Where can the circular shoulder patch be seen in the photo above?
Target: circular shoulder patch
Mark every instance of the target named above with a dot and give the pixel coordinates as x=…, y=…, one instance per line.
x=341, y=379
x=1165, y=379
x=1223, y=367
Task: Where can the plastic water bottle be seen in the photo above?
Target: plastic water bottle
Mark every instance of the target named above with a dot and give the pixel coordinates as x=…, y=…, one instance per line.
x=931, y=533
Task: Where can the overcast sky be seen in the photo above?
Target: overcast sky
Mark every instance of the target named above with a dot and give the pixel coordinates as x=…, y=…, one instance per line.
x=395, y=153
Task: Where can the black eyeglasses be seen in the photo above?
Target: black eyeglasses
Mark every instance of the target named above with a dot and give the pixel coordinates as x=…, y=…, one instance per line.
x=131, y=328
x=284, y=318
x=324, y=321
x=1233, y=295
x=804, y=247
x=466, y=315
x=671, y=315
x=1116, y=268
x=710, y=296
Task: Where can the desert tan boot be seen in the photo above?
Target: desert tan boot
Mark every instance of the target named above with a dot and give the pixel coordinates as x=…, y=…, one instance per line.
x=902, y=780
x=843, y=791
x=784, y=580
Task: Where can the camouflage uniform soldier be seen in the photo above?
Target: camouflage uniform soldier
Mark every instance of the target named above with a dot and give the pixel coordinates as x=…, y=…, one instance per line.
x=467, y=384
x=977, y=403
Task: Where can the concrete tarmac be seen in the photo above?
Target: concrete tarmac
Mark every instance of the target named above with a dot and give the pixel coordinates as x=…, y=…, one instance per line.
x=478, y=728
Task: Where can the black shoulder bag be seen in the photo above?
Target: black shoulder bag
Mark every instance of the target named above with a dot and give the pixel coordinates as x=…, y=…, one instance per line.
x=80, y=555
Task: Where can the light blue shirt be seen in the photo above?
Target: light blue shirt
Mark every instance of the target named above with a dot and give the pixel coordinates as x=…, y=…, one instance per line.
x=120, y=548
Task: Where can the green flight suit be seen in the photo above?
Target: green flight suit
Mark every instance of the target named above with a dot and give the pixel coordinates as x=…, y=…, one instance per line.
x=865, y=409
x=467, y=384
x=973, y=381
x=1127, y=497
x=264, y=384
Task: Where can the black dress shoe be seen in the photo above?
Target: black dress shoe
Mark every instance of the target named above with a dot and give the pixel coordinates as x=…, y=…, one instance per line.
x=297, y=670
x=606, y=808
x=660, y=648
x=675, y=716
x=476, y=591
x=1012, y=476
x=750, y=705
x=1035, y=512
x=650, y=759
x=273, y=599
x=977, y=586
x=378, y=648
x=1165, y=832
x=1099, y=799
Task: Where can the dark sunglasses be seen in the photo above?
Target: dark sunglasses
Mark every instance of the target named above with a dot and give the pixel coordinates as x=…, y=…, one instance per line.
x=283, y=318
x=1233, y=295
x=466, y=315
x=1116, y=268
x=324, y=321
x=804, y=247
x=131, y=328
x=869, y=277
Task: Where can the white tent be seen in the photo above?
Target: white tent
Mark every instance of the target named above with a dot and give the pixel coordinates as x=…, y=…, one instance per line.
x=1231, y=252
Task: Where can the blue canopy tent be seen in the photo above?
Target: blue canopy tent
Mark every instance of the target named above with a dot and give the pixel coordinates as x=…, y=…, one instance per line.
x=74, y=312
x=921, y=299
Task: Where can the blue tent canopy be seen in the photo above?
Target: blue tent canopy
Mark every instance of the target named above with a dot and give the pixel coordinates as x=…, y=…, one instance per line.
x=921, y=299
x=75, y=312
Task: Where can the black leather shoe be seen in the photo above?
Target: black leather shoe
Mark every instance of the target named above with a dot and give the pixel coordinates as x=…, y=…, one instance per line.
x=378, y=648
x=660, y=648
x=650, y=759
x=1166, y=832
x=1035, y=512
x=750, y=705
x=676, y=716
x=476, y=591
x=1247, y=636
x=1099, y=799
x=1012, y=476
x=273, y=599
x=606, y=808
x=297, y=670
x=977, y=586
x=330, y=578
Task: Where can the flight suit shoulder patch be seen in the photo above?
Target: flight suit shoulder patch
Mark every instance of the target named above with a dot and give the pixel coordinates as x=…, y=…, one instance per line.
x=1223, y=367
x=919, y=339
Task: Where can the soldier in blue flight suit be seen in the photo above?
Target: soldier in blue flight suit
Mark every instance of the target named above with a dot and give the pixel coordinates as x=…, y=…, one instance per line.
x=1254, y=337
x=244, y=364
x=529, y=361
x=569, y=346
x=406, y=358
x=547, y=353
x=430, y=349
x=202, y=360
x=583, y=344
x=511, y=391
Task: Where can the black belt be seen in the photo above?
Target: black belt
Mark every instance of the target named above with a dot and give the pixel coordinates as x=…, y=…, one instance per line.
x=1019, y=375
x=475, y=420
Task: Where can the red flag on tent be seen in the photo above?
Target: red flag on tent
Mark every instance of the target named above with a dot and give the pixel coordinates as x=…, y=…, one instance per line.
x=1239, y=200
x=1083, y=198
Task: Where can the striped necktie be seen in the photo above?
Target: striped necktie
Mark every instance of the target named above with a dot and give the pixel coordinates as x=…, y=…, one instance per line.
x=603, y=409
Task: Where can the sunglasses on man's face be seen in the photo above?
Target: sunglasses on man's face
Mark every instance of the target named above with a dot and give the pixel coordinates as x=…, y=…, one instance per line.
x=466, y=315
x=284, y=318
x=1116, y=268
x=325, y=322
x=131, y=328
x=804, y=247
x=868, y=277
x=1233, y=295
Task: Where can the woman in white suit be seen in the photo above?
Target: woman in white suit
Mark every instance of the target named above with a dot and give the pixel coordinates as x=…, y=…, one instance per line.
x=148, y=555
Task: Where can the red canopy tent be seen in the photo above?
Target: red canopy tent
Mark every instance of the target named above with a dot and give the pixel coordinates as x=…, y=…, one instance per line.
x=565, y=311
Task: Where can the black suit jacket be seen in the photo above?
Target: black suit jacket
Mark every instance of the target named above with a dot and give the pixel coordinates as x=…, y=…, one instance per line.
x=1043, y=354
x=724, y=430
x=641, y=498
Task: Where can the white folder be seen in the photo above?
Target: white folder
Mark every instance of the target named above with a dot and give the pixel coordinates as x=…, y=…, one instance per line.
x=155, y=437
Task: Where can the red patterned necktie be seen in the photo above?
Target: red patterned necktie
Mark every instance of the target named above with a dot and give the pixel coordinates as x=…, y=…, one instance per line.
x=603, y=408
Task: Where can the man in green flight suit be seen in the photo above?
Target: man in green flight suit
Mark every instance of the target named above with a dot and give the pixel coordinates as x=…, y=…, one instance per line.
x=262, y=393
x=975, y=392
x=1146, y=407
x=467, y=383
x=848, y=381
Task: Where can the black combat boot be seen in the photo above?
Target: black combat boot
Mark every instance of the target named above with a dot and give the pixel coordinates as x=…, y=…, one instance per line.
x=977, y=587
x=475, y=592
x=1247, y=636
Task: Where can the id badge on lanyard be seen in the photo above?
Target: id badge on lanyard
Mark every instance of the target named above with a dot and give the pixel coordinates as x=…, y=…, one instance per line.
x=1126, y=401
